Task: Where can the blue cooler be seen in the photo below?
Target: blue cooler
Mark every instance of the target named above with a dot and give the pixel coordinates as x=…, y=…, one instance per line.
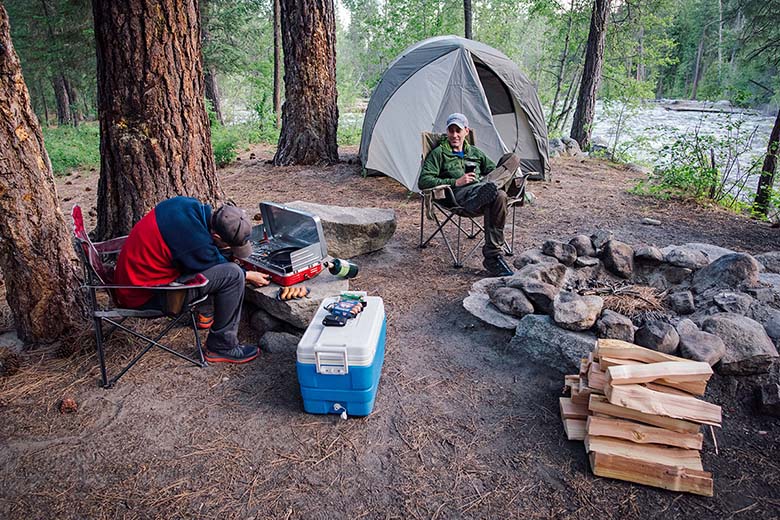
x=339, y=367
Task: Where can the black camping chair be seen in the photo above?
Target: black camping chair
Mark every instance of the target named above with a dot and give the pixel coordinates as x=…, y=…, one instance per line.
x=438, y=204
x=99, y=275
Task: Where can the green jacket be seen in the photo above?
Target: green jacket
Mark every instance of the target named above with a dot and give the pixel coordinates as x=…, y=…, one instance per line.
x=442, y=166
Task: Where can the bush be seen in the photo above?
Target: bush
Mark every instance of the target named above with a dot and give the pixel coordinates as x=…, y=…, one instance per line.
x=224, y=150
x=73, y=148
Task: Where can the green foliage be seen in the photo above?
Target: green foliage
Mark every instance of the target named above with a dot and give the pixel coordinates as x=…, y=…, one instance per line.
x=225, y=148
x=706, y=167
x=73, y=148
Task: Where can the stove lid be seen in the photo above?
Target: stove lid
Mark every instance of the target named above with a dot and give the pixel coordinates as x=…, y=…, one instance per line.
x=291, y=226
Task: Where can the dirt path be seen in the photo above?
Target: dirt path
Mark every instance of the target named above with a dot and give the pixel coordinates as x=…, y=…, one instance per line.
x=462, y=428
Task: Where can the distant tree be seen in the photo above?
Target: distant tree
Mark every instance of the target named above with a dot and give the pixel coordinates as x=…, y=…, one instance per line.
x=210, y=73
x=310, y=112
x=277, y=63
x=154, y=130
x=591, y=75
x=467, y=18
x=768, y=170
x=36, y=254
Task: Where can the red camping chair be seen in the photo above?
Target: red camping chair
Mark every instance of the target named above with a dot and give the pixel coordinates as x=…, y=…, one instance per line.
x=99, y=276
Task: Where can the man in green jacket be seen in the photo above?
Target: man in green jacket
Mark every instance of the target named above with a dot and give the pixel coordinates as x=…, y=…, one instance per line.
x=479, y=187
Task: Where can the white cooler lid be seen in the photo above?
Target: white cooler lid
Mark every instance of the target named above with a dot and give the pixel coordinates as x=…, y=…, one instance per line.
x=354, y=344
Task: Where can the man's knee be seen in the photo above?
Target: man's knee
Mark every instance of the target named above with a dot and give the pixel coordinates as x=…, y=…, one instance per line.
x=501, y=198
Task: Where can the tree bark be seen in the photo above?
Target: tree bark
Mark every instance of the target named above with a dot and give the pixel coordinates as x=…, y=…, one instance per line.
x=210, y=76
x=155, y=141
x=561, y=69
x=591, y=74
x=73, y=99
x=767, y=179
x=62, y=100
x=310, y=113
x=36, y=254
x=278, y=63
x=467, y=18
x=697, y=67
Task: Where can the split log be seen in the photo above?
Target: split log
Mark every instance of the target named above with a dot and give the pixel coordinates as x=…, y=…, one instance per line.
x=643, y=399
x=691, y=376
x=574, y=428
x=666, y=455
x=642, y=434
x=673, y=478
x=615, y=348
x=572, y=410
x=599, y=404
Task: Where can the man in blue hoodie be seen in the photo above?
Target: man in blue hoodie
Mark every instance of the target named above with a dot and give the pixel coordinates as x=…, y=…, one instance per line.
x=179, y=238
x=479, y=186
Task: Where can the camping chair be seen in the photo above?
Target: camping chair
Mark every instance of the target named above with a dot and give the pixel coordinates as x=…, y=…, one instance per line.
x=98, y=276
x=438, y=204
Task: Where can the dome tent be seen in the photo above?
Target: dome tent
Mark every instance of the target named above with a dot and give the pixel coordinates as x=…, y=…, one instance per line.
x=446, y=74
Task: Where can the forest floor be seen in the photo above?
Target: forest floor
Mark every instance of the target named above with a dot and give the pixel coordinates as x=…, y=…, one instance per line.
x=463, y=426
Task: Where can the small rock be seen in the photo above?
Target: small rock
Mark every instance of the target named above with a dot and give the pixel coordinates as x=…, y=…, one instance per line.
x=574, y=312
x=649, y=254
x=541, y=294
x=650, y=222
x=279, y=342
x=618, y=258
x=479, y=305
x=688, y=258
x=686, y=326
x=68, y=405
x=674, y=274
x=769, y=318
x=552, y=274
x=601, y=237
x=565, y=253
x=701, y=346
x=539, y=339
x=770, y=261
x=748, y=348
x=586, y=261
x=583, y=246
x=729, y=271
x=658, y=335
x=533, y=256
x=737, y=303
x=682, y=302
x=613, y=325
x=510, y=301
x=770, y=399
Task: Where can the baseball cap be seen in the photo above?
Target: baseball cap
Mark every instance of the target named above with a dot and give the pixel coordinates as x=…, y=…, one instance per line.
x=457, y=119
x=232, y=225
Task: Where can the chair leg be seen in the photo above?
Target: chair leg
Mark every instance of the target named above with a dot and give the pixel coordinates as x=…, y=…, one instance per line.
x=422, y=223
x=98, y=324
x=193, y=312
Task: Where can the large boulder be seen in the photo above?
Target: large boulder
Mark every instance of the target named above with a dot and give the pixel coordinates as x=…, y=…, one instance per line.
x=565, y=253
x=769, y=318
x=710, y=251
x=297, y=313
x=553, y=274
x=572, y=147
x=738, y=303
x=583, y=246
x=701, y=346
x=748, y=348
x=263, y=322
x=682, y=256
x=574, y=312
x=541, y=294
x=686, y=326
x=649, y=254
x=770, y=261
x=533, y=256
x=613, y=325
x=352, y=231
x=510, y=301
x=479, y=305
x=770, y=399
x=539, y=339
x=658, y=335
x=601, y=237
x=729, y=271
x=618, y=258
x=279, y=342
x=681, y=302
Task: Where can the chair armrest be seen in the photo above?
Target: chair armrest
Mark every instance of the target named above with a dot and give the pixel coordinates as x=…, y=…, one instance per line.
x=199, y=281
x=112, y=246
x=439, y=192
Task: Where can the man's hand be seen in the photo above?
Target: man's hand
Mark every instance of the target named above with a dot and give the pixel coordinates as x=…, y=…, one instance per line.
x=467, y=178
x=257, y=278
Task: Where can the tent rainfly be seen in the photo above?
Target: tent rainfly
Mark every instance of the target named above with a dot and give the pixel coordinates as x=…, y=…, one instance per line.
x=439, y=76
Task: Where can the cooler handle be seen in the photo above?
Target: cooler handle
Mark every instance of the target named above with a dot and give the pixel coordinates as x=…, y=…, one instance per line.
x=339, y=367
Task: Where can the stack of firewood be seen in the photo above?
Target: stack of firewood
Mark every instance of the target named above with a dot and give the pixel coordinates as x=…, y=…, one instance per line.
x=637, y=413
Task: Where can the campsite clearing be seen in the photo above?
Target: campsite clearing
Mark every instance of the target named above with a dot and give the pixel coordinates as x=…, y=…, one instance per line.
x=462, y=428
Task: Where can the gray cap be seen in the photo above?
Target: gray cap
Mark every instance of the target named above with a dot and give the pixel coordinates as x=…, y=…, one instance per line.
x=233, y=227
x=457, y=119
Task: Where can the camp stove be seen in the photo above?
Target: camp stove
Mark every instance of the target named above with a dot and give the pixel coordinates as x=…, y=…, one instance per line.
x=289, y=245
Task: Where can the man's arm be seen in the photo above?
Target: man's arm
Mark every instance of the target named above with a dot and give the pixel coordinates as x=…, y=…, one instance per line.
x=429, y=176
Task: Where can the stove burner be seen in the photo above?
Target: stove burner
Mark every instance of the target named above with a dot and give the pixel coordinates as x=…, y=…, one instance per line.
x=281, y=256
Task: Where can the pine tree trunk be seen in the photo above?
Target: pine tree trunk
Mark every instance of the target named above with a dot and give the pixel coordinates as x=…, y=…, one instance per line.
x=768, y=170
x=591, y=74
x=36, y=253
x=73, y=99
x=697, y=68
x=61, y=97
x=154, y=130
x=277, y=63
x=467, y=18
x=212, y=94
x=561, y=68
x=310, y=113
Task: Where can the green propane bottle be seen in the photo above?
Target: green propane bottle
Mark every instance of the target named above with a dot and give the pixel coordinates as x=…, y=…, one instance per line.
x=342, y=268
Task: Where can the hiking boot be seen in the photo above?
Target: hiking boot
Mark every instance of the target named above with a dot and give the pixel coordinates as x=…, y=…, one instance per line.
x=497, y=266
x=205, y=320
x=482, y=196
x=237, y=354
